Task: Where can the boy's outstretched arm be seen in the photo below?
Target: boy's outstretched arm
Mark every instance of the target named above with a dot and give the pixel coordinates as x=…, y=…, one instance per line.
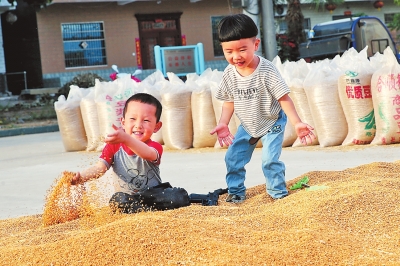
x=303, y=130
x=222, y=129
x=95, y=171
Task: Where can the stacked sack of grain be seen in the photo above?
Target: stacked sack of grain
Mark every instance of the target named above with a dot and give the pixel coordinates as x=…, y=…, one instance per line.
x=321, y=87
x=386, y=98
x=177, y=128
x=152, y=85
x=110, y=97
x=90, y=120
x=70, y=121
x=354, y=87
x=202, y=109
x=290, y=75
x=298, y=73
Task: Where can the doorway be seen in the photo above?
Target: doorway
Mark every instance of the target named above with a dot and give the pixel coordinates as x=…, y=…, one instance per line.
x=162, y=29
x=21, y=50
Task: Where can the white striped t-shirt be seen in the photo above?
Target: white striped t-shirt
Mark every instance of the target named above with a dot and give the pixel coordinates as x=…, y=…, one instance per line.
x=255, y=96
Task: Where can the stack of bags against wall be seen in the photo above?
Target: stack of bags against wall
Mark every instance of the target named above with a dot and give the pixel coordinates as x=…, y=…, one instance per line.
x=70, y=121
x=321, y=87
x=354, y=86
x=294, y=74
x=110, y=98
x=385, y=88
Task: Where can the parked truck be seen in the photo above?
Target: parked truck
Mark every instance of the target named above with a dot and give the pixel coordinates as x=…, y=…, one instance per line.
x=335, y=37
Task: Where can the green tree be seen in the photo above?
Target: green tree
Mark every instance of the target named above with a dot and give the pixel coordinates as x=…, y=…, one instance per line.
x=289, y=42
x=395, y=23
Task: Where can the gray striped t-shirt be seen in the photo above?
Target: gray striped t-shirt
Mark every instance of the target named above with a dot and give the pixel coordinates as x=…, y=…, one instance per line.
x=255, y=96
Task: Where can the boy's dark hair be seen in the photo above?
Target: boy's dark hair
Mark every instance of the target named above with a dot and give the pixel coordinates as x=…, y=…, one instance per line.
x=236, y=27
x=145, y=98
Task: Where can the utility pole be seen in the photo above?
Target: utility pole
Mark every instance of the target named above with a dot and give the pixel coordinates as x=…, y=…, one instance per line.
x=269, y=34
x=253, y=11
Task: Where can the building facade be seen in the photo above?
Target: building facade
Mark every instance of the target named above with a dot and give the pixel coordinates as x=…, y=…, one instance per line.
x=79, y=36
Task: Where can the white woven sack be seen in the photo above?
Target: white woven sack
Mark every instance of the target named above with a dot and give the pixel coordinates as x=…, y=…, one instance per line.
x=152, y=85
x=70, y=121
x=110, y=101
x=90, y=120
x=386, y=102
x=383, y=85
x=177, y=126
x=294, y=74
x=203, y=115
x=102, y=91
x=321, y=86
x=356, y=100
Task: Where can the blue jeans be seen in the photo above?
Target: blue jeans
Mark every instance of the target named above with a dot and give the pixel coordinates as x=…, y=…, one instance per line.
x=240, y=152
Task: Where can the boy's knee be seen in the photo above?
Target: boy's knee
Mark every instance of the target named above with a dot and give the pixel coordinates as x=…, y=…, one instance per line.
x=125, y=203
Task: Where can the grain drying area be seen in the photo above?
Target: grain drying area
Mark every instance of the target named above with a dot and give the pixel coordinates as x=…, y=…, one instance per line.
x=352, y=219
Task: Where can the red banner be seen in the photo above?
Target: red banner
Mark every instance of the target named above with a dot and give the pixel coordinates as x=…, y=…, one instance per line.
x=183, y=40
x=138, y=53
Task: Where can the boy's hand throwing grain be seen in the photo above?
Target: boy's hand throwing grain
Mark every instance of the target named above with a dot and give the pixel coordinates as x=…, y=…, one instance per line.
x=118, y=136
x=224, y=135
x=76, y=179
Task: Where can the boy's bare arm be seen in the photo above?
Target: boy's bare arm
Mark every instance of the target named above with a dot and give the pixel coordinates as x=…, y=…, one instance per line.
x=139, y=148
x=289, y=109
x=303, y=130
x=93, y=172
x=227, y=112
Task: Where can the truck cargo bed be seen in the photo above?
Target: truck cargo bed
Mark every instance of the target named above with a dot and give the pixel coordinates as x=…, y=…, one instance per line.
x=325, y=46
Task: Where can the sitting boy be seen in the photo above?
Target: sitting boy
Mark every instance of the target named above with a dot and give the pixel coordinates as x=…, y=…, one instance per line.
x=135, y=159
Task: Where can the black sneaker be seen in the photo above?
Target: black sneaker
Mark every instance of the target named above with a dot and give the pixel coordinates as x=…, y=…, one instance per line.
x=235, y=198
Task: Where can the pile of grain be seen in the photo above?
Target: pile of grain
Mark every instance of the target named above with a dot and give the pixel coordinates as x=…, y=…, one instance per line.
x=63, y=202
x=354, y=221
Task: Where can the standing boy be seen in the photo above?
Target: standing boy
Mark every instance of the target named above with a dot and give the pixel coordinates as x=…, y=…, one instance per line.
x=252, y=87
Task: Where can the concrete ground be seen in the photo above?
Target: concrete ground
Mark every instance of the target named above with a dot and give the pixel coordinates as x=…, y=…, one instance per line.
x=29, y=164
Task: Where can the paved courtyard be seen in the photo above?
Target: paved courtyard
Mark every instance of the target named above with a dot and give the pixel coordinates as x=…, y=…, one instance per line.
x=29, y=164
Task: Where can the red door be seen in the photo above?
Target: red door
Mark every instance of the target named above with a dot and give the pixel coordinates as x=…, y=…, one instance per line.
x=157, y=29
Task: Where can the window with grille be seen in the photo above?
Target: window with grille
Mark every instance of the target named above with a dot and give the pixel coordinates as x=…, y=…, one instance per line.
x=389, y=18
x=216, y=45
x=84, y=44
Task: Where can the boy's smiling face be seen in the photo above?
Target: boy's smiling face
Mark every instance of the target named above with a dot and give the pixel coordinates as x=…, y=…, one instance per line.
x=140, y=120
x=240, y=53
